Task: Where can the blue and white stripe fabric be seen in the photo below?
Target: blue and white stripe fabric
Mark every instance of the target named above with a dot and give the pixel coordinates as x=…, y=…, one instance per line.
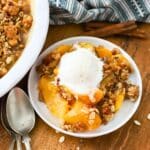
x=78, y=11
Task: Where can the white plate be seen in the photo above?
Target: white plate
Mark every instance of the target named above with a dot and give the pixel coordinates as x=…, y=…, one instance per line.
x=121, y=117
x=37, y=37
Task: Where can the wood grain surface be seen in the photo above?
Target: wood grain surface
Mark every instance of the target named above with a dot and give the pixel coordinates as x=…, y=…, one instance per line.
x=128, y=137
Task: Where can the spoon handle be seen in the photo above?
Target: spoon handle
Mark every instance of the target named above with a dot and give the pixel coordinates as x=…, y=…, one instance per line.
x=18, y=139
x=26, y=140
x=12, y=144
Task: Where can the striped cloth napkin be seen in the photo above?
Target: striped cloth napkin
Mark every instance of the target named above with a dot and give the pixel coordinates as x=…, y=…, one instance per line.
x=78, y=11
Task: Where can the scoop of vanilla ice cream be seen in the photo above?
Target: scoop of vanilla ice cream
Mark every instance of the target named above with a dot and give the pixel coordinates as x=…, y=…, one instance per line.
x=80, y=70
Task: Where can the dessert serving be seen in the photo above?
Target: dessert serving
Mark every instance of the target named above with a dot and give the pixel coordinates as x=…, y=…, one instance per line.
x=15, y=23
x=84, y=85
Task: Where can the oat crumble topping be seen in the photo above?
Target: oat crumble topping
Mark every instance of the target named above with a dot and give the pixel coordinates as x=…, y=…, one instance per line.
x=15, y=22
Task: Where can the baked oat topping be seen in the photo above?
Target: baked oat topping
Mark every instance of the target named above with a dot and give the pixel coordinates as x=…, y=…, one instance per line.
x=15, y=22
x=132, y=92
x=64, y=93
x=76, y=127
x=107, y=110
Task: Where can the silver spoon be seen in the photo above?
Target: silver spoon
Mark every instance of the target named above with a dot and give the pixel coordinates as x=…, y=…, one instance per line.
x=15, y=137
x=20, y=114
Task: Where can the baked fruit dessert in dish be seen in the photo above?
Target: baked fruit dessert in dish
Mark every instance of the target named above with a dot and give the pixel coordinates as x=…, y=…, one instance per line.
x=15, y=23
x=84, y=85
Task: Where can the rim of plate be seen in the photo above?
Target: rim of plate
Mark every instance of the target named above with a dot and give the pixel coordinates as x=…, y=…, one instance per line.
x=82, y=134
x=36, y=40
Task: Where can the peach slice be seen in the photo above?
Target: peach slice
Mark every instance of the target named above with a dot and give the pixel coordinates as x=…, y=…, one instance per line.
x=63, y=49
x=55, y=103
x=98, y=95
x=87, y=45
x=120, y=95
x=103, y=52
x=80, y=114
x=121, y=59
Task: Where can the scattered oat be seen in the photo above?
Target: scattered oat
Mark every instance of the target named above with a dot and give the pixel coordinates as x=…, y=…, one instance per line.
x=94, y=109
x=91, y=122
x=92, y=115
x=85, y=110
x=148, y=116
x=61, y=139
x=77, y=148
x=136, y=122
x=56, y=131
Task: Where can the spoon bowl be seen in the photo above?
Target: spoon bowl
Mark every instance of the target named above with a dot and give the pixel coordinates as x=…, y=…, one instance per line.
x=19, y=112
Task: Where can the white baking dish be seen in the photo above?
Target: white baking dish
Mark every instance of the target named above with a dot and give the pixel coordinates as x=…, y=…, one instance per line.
x=37, y=37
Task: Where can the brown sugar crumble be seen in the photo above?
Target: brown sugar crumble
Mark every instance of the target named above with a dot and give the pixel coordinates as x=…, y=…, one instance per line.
x=15, y=22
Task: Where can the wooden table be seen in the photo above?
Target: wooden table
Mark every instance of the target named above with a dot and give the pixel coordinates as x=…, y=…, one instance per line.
x=128, y=137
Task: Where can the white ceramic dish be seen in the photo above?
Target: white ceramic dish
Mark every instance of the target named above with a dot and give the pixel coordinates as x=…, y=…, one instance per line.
x=121, y=117
x=37, y=37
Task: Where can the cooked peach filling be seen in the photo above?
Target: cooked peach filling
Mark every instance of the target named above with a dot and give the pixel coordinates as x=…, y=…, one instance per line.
x=77, y=112
x=84, y=112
